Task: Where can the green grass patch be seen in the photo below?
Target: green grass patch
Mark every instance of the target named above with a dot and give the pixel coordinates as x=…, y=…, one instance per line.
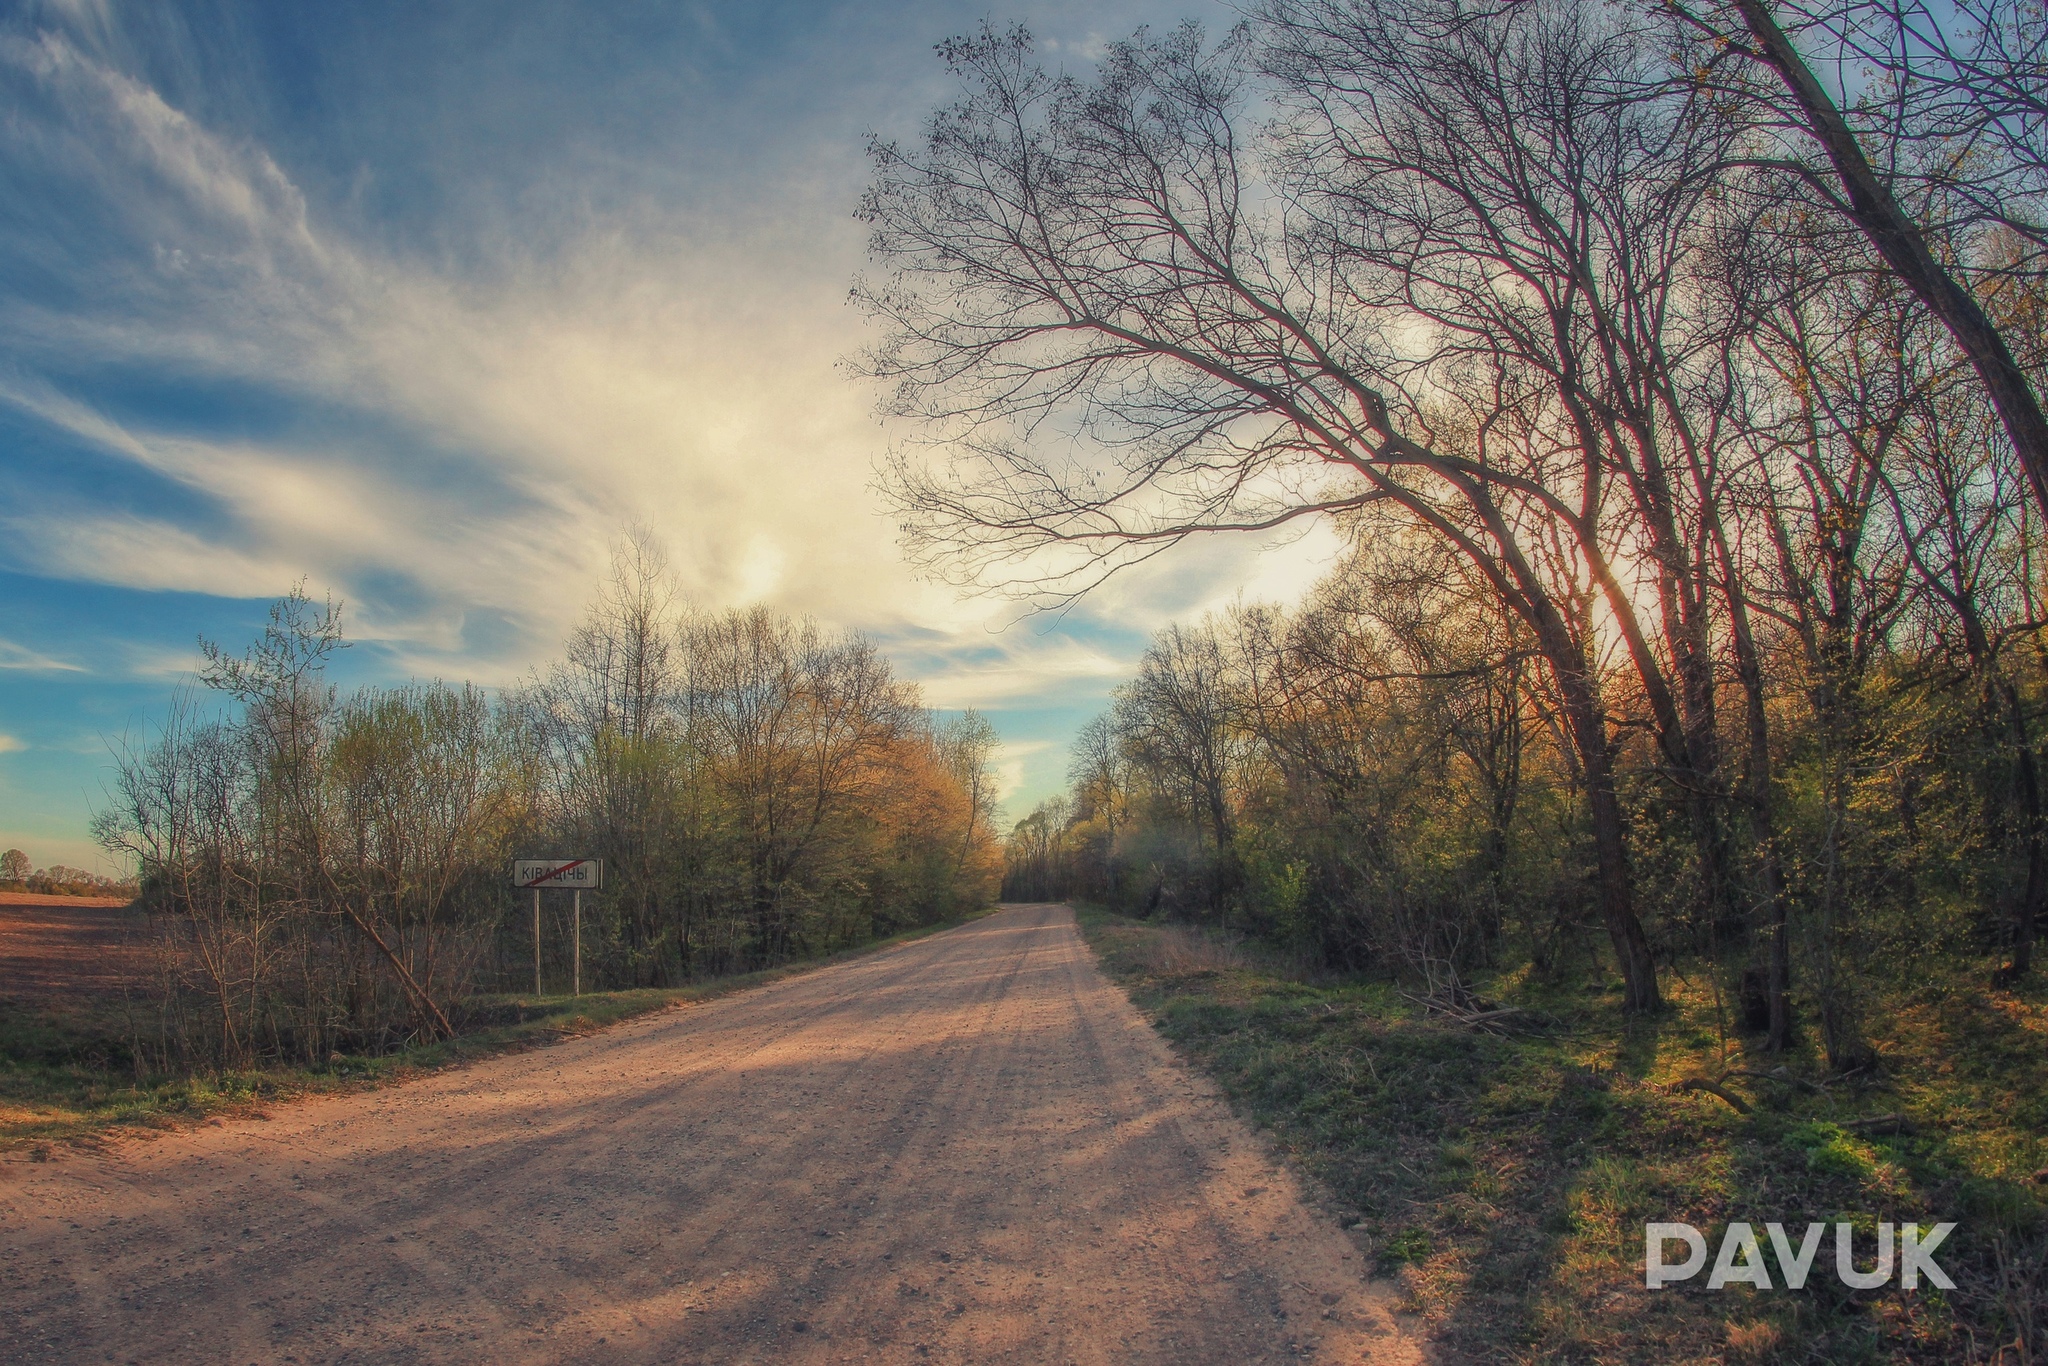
x=1505, y=1178
x=68, y=1074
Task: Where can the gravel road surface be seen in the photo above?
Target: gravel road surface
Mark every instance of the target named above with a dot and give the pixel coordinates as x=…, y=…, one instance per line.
x=969, y=1148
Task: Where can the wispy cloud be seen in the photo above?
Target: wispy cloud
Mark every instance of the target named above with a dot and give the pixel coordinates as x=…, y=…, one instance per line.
x=14, y=656
x=1011, y=764
x=9, y=745
x=443, y=425
x=1020, y=669
x=480, y=436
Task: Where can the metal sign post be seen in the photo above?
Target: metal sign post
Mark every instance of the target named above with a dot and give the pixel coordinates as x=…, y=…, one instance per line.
x=575, y=874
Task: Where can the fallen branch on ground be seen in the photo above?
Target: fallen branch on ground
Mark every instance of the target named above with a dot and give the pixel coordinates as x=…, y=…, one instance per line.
x=1714, y=1089
x=1777, y=1074
x=1482, y=1015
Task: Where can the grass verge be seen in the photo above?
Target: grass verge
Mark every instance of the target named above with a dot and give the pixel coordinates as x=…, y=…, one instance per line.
x=1505, y=1178
x=67, y=1077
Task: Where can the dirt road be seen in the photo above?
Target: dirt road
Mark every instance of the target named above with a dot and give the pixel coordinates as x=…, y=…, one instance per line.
x=965, y=1149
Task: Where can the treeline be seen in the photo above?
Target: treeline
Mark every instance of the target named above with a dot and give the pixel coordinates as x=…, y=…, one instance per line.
x=1382, y=778
x=18, y=873
x=1683, y=405
x=328, y=872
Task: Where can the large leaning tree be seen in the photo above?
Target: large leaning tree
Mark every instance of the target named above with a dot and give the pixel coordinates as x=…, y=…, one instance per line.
x=1234, y=287
x=1923, y=126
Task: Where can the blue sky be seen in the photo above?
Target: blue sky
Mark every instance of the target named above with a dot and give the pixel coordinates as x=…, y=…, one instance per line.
x=422, y=304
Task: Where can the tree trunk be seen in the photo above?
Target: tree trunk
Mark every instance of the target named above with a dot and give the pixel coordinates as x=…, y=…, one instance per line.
x=2027, y=780
x=1899, y=240
x=1760, y=798
x=405, y=977
x=1617, y=893
x=1570, y=668
x=1610, y=831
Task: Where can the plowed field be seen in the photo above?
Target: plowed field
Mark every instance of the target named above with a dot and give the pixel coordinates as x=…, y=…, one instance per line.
x=67, y=946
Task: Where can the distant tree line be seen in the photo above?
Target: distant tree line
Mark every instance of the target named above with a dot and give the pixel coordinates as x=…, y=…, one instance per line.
x=18, y=873
x=1675, y=372
x=330, y=872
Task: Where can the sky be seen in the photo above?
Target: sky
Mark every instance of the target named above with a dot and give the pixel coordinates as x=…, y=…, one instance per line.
x=422, y=305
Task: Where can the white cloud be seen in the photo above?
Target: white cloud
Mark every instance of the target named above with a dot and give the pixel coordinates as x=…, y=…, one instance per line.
x=9, y=745
x=175, y=664
x=142, y=553
x=14, y=656
x=483, y=429
x=1025, y=668
x=1009, y=765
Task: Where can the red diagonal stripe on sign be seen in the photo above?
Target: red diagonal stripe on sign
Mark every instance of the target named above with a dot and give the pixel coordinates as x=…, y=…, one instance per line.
x=557, y=872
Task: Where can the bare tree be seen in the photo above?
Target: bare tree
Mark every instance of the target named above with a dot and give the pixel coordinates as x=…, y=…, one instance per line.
x=968, y=745
x=1100, y=774
x=1107, y=262
x=1938, y=124
x=1180, y=716
x=327, y=871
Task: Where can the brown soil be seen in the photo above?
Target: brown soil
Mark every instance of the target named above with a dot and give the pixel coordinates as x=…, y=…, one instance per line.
x=64, y=946
x=60, y=902
x=965, y=1149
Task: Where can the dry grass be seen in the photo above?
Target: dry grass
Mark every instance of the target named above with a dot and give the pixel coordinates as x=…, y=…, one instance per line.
x=1182, y=951
x=1755, y=1341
